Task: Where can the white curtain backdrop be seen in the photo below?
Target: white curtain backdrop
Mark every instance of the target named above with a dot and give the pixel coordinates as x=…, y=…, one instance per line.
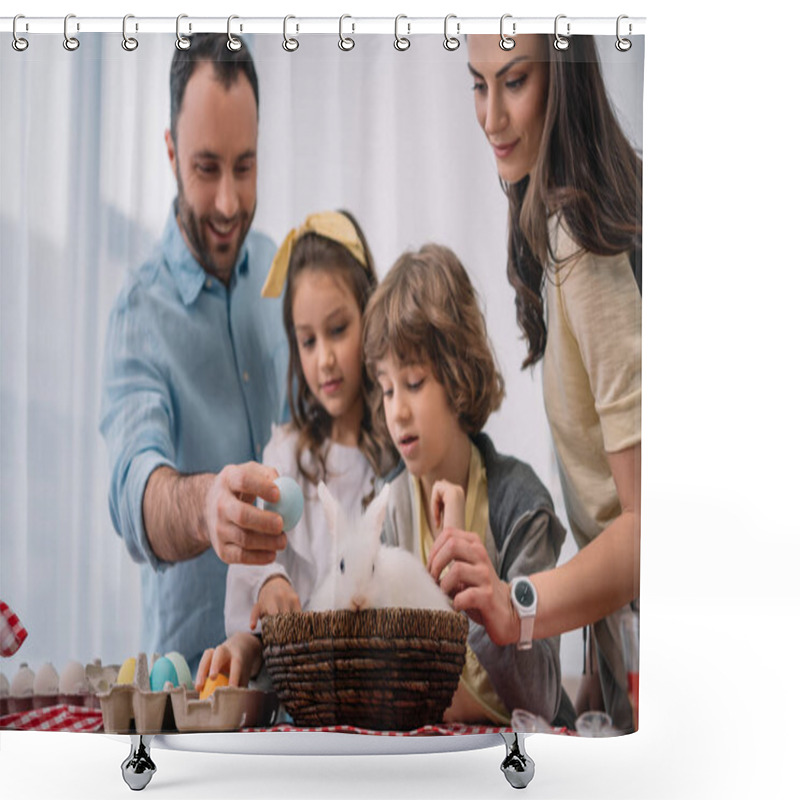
x=85, y=187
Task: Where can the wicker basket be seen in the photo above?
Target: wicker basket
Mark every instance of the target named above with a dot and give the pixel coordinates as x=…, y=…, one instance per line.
x=383, y=669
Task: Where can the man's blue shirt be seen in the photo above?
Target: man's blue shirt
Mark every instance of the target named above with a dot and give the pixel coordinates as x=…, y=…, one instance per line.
x=194, y=375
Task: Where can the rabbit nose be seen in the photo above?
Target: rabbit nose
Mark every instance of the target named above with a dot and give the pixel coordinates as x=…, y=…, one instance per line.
x=358, y=602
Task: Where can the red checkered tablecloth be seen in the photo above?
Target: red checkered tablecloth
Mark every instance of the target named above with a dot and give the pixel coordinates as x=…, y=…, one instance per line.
x=90, y=720
x=55, y=718
x=12, y=634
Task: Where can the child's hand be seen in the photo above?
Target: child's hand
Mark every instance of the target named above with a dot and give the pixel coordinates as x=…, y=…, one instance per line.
x=276, y=596
x=459, y=562
x=238, y=657
x=447, y=506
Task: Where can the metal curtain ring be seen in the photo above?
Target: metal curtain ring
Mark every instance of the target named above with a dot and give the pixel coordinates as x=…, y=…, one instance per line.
x=234, y=44
x=128, y=42
x=18, y=43
x=400, y=42
x=623, y=45
x=450, y=42
x=70, y=42
x=289, y=44
x=345, y=42
x=561, y=42
x=181, y=42
x=506, y=42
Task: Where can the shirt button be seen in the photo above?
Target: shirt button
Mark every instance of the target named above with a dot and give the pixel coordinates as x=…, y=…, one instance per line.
x=209, y=283
x=246, y=376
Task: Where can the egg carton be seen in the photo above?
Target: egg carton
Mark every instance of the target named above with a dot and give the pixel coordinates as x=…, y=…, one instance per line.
x=78, y=686
x=228, y=708
x=134, y=707
x=127, y=709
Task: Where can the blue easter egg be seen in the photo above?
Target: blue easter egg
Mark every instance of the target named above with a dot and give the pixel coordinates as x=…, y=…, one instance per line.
x=181, y=669
x=163, y=671
x=290, y=505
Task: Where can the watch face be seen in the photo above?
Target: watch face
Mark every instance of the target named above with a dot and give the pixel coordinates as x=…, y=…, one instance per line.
x=523, y=591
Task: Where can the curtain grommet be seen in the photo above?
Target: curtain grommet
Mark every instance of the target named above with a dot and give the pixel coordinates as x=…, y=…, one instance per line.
x=507, y=42
x=181, y=42
x=561, y=43
x=450, y=42
x=623, y=45
x=289, y=43
x=234, y=44
x=18, y=42
x=129, y=43
x=70, y=43
x=346, y=43
x=401, y=43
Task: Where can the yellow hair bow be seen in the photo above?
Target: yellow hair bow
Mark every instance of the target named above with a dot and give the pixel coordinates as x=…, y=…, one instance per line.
x=332, y=225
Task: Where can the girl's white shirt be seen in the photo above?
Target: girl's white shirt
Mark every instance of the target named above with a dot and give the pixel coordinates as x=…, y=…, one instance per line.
x=309, y=552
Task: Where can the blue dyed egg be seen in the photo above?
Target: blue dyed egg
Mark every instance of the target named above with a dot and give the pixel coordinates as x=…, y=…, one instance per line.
x=290, y=505
x=163, y=671
x=181, y=669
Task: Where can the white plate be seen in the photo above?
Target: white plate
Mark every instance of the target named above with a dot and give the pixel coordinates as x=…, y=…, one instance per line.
x=321, y=743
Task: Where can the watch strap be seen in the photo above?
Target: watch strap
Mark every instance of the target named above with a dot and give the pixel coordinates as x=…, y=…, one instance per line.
x=525, y=633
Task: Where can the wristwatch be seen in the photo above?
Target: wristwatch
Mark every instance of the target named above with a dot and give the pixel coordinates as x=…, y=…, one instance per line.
x=524, y=600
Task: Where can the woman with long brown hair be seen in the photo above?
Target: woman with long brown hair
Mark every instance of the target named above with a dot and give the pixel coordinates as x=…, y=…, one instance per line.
x=573, y=183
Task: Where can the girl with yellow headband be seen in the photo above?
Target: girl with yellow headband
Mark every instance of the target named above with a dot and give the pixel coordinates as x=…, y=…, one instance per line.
x=328, y=273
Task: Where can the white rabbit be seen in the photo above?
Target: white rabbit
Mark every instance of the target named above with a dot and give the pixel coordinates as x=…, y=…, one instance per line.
x=365, y=573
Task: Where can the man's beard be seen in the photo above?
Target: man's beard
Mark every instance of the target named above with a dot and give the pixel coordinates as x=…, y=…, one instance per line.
x=193, y=226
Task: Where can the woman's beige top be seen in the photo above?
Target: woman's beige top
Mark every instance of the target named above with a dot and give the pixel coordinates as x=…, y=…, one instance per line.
x=592, y=374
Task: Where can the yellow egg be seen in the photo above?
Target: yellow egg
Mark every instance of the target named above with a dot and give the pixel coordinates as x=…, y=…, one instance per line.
x=211, y=684
x=127, y=671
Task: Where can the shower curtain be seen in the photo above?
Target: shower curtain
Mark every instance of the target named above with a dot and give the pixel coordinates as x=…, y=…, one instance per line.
x=385, y=130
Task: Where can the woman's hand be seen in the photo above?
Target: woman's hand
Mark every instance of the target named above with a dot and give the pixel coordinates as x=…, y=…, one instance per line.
x=276, y=596
x=447, y=506
x=473, y=585
x=238, y=657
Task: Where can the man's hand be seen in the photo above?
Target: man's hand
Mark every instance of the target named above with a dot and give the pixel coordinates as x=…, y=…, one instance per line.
x=185, y=514
x=239, y=532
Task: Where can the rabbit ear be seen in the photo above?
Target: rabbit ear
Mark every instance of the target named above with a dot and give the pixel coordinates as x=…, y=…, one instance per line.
x=376, y=512
x=329, y=506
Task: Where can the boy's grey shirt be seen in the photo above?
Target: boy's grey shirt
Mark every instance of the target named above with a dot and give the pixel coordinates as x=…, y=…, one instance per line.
x=524, y=537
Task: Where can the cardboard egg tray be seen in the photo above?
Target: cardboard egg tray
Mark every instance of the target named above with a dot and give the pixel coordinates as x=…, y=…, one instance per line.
x=133, y=707
x=126, y=709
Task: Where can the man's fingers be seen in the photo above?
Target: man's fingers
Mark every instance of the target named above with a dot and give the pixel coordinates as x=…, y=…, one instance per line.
x=250, y=518
x=237, y=546
x=251, y=479
x=234, y=554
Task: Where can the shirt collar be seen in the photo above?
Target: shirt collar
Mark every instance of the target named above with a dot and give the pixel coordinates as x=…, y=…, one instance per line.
x=189, y=276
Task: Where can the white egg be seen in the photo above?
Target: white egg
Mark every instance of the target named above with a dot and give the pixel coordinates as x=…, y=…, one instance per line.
x=73, y=679
x=22, y=684
x=46, y=680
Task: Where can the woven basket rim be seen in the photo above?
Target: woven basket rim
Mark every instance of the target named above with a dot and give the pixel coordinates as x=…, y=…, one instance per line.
x=376, y=623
